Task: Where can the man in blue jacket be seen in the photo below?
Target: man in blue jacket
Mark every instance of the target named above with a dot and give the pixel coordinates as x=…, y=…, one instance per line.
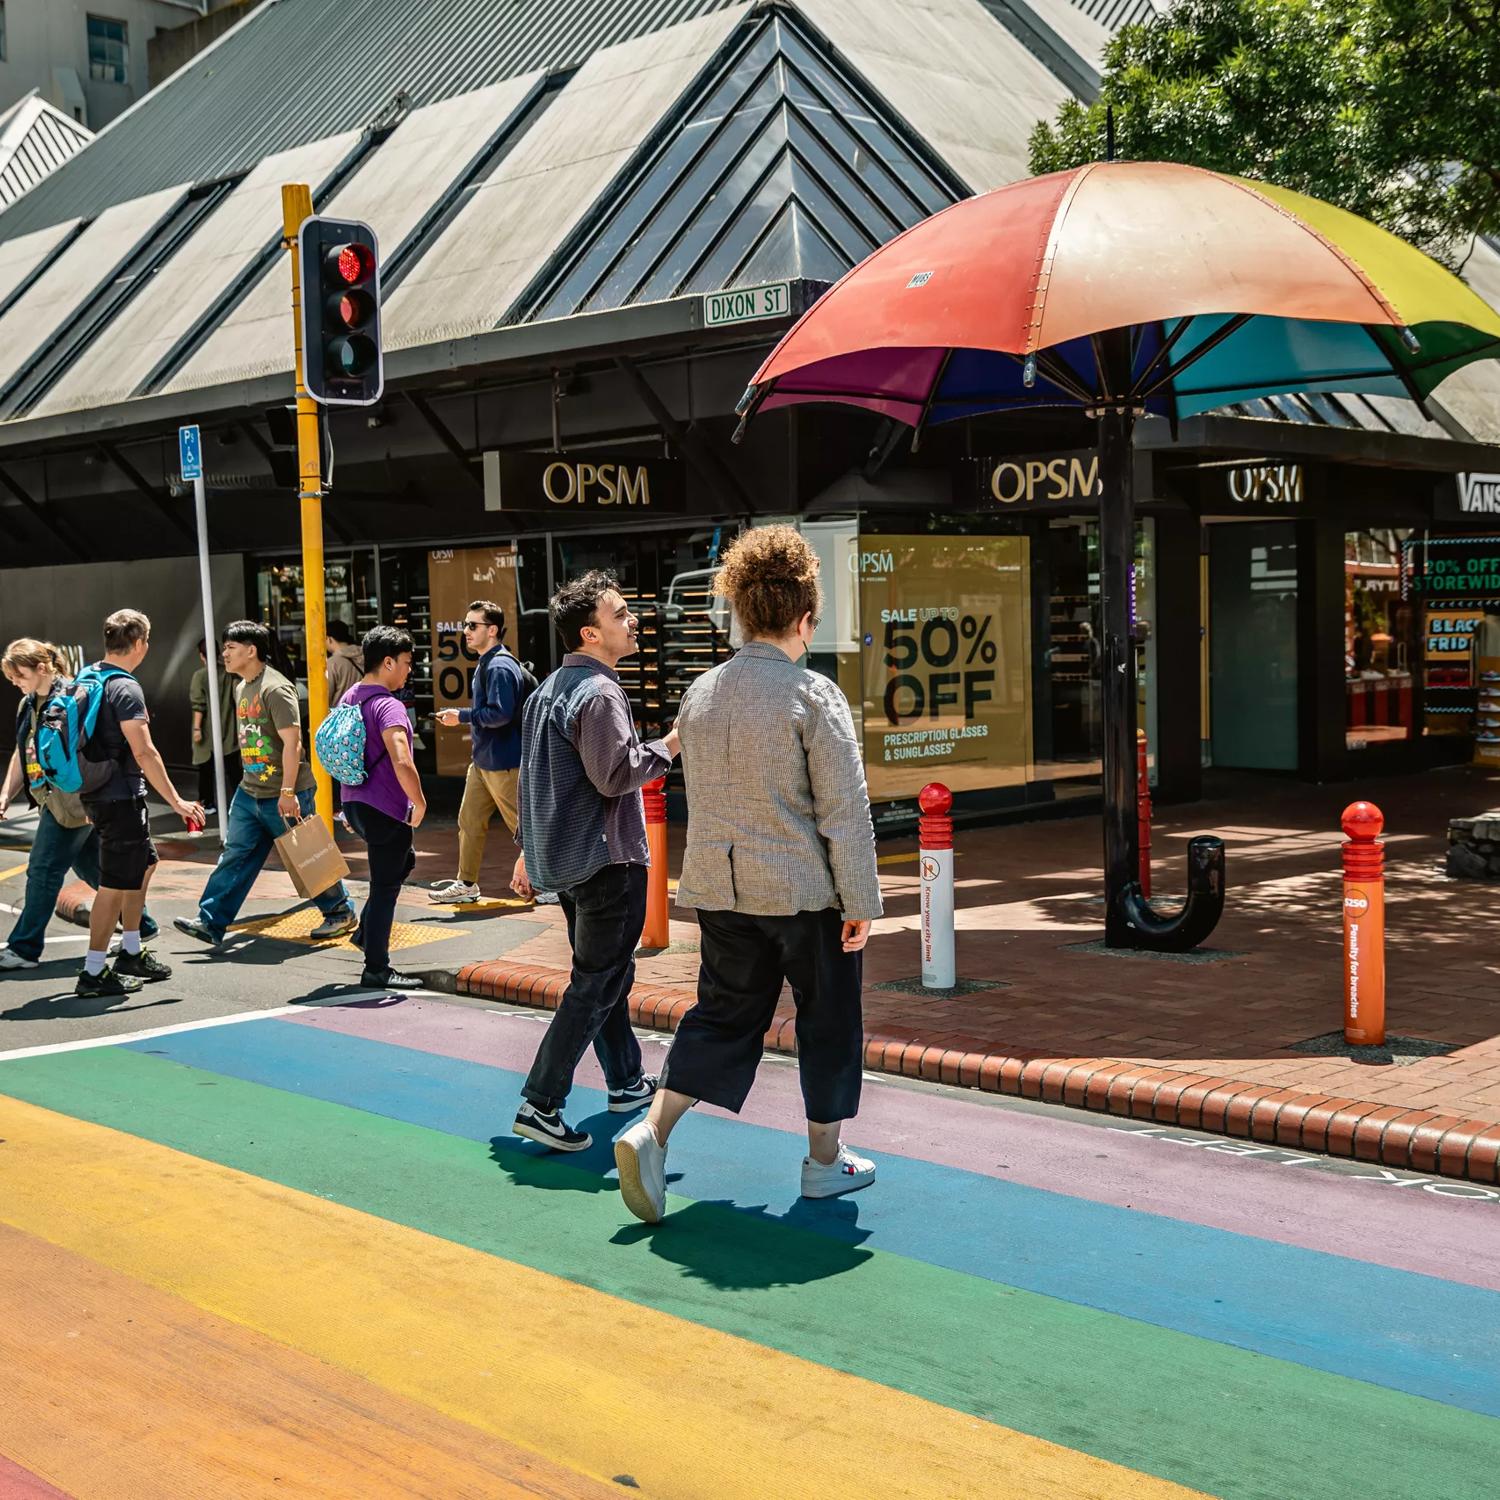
x=497, y=694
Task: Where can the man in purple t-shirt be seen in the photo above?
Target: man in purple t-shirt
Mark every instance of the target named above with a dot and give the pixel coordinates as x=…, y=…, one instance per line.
x=389, y=804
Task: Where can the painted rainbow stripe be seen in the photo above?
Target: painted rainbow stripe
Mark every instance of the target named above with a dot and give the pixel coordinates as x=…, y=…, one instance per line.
x=309, y=1239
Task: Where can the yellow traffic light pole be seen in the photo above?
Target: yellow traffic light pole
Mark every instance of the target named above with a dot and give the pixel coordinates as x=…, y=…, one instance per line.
x=296, y=205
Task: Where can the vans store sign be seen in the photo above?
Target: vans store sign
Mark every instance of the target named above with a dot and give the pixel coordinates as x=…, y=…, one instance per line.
x=616, y=484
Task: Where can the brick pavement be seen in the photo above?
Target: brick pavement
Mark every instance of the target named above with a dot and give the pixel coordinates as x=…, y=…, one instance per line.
x=1204, y=1043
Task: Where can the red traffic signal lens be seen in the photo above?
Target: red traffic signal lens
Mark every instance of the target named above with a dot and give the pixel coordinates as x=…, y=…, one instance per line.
x=351, y=264
x=351, y=357
x=351, y=309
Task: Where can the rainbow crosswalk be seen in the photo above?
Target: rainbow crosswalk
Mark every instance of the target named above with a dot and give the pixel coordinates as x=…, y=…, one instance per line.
x=303, y=1255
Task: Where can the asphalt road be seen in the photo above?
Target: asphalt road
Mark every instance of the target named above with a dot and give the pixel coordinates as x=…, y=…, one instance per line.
x=312, y=1238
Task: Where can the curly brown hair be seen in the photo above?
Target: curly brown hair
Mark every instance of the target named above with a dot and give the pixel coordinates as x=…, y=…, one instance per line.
x=770, y=578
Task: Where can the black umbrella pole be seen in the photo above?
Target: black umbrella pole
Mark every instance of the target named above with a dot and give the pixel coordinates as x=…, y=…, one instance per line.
x=1130, y=921
x=1116, y=573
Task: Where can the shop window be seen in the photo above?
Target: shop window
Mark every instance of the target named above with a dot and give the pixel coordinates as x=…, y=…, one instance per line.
x=1070, y=725
x=1379, y=626
x=944, y=689
x=109, y=51
x=666, y=578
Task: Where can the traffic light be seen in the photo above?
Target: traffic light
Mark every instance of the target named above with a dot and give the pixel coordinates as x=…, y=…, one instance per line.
x=341, y=357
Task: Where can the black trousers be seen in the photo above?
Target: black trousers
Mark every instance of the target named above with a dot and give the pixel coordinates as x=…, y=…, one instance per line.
x=391, y=861
x=743, y=961
x=605, y=916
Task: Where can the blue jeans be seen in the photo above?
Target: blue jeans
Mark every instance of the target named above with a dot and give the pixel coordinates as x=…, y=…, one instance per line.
x=254, y=827
x=56, y=851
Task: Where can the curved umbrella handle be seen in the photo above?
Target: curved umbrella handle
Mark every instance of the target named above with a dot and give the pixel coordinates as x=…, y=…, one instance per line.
x=1148, y=929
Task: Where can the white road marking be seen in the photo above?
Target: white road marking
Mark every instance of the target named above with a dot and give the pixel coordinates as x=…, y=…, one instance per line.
x=85, y=1043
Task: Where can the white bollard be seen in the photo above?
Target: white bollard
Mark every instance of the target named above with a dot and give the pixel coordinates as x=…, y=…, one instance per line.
x=935, y=834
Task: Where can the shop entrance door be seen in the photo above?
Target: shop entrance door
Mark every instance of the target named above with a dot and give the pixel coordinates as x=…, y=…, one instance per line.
x=1252, y=594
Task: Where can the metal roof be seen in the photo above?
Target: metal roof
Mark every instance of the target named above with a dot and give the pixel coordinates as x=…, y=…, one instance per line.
x=35, y=139
x=296, y=71
x=781, y=166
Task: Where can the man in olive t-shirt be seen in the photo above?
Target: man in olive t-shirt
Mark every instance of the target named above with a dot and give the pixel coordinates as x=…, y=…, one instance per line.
x=276, y=789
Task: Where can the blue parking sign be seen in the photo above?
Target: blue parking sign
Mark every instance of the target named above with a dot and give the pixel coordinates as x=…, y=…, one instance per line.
x=190, y=452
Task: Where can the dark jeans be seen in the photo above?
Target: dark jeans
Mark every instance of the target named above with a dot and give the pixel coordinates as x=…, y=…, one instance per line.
x=250, y=835
x=391, y=861
x=55, y=851
x=742, y=963
x=605, y=917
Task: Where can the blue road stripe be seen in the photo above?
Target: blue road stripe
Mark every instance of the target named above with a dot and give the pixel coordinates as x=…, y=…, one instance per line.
x=1411, y=1333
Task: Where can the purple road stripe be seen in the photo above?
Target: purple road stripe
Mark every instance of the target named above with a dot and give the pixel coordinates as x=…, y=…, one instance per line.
x=1405, y=1228
x=17, y=1483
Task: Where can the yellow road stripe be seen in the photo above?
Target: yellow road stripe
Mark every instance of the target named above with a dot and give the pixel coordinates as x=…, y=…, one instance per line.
x=597, y=1383
x=116, y=1389
x=14, y=870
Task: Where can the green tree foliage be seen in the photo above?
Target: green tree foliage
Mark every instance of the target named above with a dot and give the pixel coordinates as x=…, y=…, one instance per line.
x=1390, y=108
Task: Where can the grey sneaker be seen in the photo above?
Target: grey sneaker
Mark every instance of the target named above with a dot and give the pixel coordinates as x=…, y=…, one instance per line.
x=10, y=959
x=642, y=1163
x=336, y=924
x=196, y=929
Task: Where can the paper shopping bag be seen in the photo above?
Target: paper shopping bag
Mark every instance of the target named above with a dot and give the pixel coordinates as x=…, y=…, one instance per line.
x=310, y=856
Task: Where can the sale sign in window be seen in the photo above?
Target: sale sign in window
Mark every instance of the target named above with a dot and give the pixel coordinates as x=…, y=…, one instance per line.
x=945, y=662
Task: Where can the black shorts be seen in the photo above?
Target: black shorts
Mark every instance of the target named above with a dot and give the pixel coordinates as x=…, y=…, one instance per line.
x=125, y=848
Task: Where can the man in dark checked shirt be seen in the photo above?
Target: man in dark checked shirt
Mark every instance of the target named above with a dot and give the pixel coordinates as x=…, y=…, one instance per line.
x=583, y=835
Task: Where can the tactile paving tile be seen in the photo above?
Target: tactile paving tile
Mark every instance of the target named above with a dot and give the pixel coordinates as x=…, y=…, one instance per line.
x=296, y=927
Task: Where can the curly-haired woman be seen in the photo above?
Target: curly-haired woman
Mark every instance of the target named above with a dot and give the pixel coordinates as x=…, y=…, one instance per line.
x=780, y=866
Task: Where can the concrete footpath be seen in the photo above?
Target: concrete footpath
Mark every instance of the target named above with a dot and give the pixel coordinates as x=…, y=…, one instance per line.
x=1242, y=1038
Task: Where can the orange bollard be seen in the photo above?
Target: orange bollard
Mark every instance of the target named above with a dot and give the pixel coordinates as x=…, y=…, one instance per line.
x=1143, y=809
x=656, y=933
x=1364, y=926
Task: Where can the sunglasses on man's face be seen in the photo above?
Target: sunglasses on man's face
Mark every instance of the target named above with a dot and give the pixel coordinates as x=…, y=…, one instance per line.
x=473, y=624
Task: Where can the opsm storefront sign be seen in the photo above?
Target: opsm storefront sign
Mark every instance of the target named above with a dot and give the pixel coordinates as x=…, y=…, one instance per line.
x=616, y=483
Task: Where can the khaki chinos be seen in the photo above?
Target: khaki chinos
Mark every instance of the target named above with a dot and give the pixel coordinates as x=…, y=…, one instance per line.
x=485, y=793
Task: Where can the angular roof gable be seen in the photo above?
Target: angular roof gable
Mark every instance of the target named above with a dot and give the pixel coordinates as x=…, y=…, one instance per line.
x=779, y=164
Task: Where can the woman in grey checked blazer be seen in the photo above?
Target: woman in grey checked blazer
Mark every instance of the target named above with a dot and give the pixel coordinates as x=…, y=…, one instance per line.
x=780, y=866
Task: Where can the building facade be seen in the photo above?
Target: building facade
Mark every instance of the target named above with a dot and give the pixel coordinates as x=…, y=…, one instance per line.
x=591, y=234
x=86, y=59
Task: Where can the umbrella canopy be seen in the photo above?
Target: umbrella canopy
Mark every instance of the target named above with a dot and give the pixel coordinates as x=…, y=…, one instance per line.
x=1232, y=289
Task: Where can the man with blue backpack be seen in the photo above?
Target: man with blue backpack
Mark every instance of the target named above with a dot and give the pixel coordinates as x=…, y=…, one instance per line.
x=276, y=789
x=96, y=740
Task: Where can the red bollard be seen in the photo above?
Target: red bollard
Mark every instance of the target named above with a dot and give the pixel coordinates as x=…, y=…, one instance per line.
x=1143, y=807
x=1364, y=926
x=656, y=933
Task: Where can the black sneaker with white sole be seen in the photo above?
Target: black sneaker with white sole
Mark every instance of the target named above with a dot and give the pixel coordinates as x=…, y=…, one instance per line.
x=106, y=982
x=627, y=1100
x=389, y=979
x=550, y=1130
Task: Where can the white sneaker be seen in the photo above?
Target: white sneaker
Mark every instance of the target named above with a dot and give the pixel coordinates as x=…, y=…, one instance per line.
x=454, y=892
x=12, y=960
x=643, y=1172
x=846, y=1173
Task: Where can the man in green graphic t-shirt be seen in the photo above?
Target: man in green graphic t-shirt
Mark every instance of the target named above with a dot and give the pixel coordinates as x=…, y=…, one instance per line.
x=276, y=789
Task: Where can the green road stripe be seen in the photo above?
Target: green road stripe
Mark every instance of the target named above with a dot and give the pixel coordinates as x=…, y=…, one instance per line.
x=1233, y=1423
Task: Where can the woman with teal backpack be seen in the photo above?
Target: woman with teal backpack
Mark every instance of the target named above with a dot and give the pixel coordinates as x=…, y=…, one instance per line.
x=65, y=839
